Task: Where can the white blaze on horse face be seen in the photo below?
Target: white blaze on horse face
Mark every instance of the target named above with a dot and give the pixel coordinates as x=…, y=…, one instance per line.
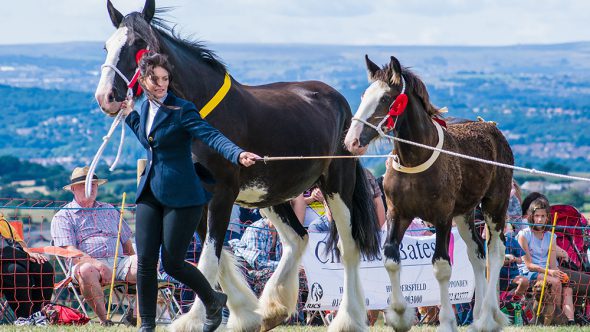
x=113, y=46
x=369, y=103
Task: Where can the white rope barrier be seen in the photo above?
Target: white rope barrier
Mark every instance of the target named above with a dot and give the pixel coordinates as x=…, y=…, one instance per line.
x=455, y=154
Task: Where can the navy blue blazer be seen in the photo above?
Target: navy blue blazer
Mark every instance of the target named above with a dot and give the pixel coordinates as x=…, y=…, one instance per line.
x=170, y=170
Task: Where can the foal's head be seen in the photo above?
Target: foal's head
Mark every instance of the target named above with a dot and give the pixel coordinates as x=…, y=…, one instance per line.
x=384, y=102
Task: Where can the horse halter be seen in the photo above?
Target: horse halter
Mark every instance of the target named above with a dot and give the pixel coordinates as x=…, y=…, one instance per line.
x=396, y=108
x=134, y=79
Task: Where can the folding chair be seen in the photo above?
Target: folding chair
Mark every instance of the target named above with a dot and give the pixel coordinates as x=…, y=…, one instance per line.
x=170, y=307
x=63, y=257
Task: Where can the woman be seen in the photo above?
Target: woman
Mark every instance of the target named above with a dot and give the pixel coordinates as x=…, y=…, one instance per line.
x=535, y=242
x=170, y=196
x=27, y=277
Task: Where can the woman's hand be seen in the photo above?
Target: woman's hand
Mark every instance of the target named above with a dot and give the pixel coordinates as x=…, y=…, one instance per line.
x=317, y=195
x=127, y=106
x=37, y=258
x=248, y=158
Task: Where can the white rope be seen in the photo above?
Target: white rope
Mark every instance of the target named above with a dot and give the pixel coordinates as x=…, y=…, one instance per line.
x=118, y=119
x=95, y=160
x=456, y=154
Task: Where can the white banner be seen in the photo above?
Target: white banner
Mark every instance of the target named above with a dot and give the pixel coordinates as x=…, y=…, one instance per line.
x=325, y=274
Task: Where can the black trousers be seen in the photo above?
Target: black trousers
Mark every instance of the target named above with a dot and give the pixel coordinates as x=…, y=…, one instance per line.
x=171, y=229
x=26, y=285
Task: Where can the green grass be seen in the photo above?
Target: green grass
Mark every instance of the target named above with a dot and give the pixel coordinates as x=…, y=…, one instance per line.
x=96, y=327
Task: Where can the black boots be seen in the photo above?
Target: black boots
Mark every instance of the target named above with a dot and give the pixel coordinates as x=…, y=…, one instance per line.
x=214, y=313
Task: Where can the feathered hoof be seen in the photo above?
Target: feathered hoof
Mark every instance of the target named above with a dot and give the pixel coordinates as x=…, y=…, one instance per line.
x=250, y=323
x=272, y=322
x=401, y=320
x=188, y=322
x=344, y=323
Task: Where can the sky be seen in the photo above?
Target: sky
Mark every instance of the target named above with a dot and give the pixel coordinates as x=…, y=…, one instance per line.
x=344, y=22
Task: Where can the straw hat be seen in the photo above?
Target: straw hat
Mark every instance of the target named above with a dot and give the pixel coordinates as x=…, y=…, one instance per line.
x=79, y=176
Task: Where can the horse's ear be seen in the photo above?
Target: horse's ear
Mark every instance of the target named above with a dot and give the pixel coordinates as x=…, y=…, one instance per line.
x=149, y=9
x=116, y=16
x=396, y=70
x=372, y=68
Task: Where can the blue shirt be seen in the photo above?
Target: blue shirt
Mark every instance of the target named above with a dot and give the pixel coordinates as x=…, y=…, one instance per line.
x=256, y=246
x=538, y=248
x=507, y=273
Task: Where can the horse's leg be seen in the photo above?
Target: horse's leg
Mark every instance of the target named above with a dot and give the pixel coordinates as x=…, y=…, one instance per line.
x=218, y=219
x=476, y=254
x=352, y=313
x=490, y=317
x=441, y=263
x=398, y=315
x=241, y=299
x=279, y=297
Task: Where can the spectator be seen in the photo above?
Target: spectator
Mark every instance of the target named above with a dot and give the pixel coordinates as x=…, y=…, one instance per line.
x=316, y=207
x=535, y=242
x=510, y=277
x=377, y=198
x=526, y=202
x=578, y=281
x=91, y=227
x=514, y=213
x=321, y=224
x=513, y=286
x=258, y=251
x=27, y=277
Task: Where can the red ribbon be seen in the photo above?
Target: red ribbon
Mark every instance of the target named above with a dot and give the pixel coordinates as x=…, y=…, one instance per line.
x=133, y=81
x=397, y=108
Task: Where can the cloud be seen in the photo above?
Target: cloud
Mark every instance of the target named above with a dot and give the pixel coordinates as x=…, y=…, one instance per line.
x=394, y=22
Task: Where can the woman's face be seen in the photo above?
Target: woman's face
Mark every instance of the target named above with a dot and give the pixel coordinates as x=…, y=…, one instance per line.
x=540, y=219
x=157, y=83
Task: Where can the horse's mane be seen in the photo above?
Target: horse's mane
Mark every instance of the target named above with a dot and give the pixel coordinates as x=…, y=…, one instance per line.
x=413, y=83
x=159, y=28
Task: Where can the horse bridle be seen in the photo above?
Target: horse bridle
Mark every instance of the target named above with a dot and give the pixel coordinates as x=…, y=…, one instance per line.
x=135, y=78
x=396, y=108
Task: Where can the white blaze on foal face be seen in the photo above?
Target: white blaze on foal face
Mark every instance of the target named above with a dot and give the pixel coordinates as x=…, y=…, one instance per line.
x=113, y=47
x=369, y=103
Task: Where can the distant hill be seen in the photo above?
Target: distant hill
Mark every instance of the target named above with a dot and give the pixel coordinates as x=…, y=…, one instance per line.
x=538, y=94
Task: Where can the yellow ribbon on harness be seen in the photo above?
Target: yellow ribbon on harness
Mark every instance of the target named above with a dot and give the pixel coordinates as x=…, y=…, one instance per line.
x=211, y=104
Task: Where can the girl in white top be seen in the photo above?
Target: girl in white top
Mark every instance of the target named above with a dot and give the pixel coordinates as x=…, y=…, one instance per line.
x=535, y=241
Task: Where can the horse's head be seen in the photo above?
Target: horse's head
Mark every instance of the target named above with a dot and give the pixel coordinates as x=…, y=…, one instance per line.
x=133, y=35
x=383, y=98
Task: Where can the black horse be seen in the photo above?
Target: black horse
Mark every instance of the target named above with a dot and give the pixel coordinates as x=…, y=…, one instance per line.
x=280, y=119
x=436, y=187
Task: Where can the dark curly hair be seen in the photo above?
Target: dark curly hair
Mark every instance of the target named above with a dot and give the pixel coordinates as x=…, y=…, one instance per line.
x=152, y=60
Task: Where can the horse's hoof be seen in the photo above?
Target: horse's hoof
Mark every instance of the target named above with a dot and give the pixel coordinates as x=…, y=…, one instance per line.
x=272, y=322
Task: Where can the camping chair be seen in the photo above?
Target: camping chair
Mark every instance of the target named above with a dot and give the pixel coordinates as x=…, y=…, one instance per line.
x=571, y=238
x=63, y=257
x=168, y=306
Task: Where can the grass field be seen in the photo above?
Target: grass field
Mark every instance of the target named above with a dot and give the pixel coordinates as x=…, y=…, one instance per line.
x=96, y=327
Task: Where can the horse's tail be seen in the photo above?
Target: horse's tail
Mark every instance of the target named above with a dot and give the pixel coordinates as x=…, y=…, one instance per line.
x=364, y=222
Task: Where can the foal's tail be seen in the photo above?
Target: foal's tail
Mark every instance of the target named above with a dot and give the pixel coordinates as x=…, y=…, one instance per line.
x=364, y=222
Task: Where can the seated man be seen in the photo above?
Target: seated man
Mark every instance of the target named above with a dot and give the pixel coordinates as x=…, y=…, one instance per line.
x=91, y=227
x=259, y=251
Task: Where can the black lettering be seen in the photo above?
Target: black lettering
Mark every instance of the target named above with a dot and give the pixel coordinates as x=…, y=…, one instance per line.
x=402, y=252
x=319, y=252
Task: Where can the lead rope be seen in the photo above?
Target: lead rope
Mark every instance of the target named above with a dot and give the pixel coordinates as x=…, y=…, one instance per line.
x=459, y=155
x=119, y=119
